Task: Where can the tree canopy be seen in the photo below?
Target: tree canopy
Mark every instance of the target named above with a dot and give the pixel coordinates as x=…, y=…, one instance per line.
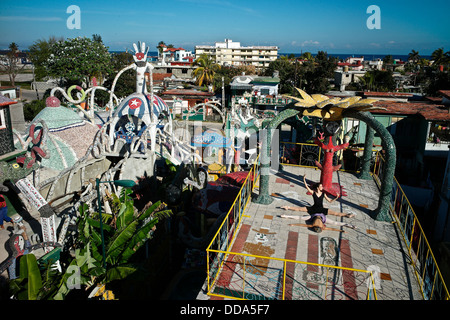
x=9, y=63
x=78, y=59
x=312, y=74
x=39, y=53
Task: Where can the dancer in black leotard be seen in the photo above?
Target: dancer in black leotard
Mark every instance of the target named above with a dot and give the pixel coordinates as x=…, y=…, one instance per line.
x=317, y=212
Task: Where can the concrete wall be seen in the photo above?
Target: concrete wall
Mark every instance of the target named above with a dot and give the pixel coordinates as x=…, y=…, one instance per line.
x=17, y=117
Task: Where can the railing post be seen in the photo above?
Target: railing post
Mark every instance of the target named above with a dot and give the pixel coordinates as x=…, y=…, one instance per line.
x=207, y=271
x=243, y=280
x=284, y=279
x=412, y=233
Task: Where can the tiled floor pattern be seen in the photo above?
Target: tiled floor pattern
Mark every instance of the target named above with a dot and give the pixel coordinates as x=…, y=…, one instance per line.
x=374, y=244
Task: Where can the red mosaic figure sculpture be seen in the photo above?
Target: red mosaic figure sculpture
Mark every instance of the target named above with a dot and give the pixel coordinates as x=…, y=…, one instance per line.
x=327, y=168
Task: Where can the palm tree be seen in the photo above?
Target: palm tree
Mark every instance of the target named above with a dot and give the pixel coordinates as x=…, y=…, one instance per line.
x=206, y=69
x=413, y=56
x=307, y=56
x=423, y=62
x=439, y=56
x=9, y=64
x=160, y=46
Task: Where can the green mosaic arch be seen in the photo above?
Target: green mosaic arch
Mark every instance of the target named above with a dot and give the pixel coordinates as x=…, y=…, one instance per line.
x=382, y=211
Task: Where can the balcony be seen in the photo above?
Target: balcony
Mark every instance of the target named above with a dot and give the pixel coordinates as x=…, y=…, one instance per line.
x=267, y=100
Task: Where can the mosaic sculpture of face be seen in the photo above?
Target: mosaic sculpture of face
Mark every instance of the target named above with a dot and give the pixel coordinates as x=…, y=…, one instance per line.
x=19, y=244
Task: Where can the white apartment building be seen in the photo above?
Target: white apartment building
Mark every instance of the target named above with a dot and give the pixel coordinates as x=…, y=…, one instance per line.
x=169, y=55
x=229, y=53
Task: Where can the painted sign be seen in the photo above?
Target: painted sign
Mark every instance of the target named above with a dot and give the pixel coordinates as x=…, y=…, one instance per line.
x=211, y=139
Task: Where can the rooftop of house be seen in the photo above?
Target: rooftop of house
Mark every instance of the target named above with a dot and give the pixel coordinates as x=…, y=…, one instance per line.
x=5, y=101
x=2, y=88
x=445, y=93
x=366, y=94
x=431, y=108
x=266, y=80
x=430, y=111
x=173, y=49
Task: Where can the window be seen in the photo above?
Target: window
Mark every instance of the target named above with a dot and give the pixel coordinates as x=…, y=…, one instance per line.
x=351, y=123
x=393, y=127
x=2, y=119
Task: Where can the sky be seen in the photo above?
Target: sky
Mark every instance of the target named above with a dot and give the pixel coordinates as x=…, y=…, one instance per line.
x=294, y=26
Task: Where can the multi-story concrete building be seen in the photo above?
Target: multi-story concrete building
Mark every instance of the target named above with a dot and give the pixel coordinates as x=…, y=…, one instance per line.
x=229, y=53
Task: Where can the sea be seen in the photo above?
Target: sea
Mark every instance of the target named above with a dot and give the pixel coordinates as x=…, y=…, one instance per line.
x=341, y=56
x=367, y=56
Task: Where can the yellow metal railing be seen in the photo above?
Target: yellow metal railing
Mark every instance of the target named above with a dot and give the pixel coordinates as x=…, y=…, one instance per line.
x=223, y=263
x=267, y=271
x=224, y=236
x=426, y=269
x=431, y=282
x=246, y=276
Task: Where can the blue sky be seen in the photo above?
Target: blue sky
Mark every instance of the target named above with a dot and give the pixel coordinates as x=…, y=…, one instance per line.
x=294, y=26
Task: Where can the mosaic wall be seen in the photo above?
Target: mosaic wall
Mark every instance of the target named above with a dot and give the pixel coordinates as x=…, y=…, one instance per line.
x=6, y=137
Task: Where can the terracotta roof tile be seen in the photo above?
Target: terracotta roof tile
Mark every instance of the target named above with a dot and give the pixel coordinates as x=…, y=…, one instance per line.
x=388, y=94
x=445, y=93
x=5, y=101
x=427, y=110
x=173, y=49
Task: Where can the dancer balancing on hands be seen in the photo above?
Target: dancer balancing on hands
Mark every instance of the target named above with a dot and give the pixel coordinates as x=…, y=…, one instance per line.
x=317, y=212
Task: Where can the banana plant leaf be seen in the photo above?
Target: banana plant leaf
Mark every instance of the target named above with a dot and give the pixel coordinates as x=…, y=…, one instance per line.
x=98, y=256
x=83, y=257
x=50, y=279
x=138, y=240
x=96, y=224
x=149, y=211
x=142, y=234
x=115, y=246
x=96, y=238
x=119, y=272
x=66, y=279
x=125, y=215
x=29, y=270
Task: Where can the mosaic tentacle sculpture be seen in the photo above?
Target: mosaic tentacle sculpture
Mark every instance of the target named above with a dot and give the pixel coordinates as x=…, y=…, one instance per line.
x=329, y=148
x=25, y=164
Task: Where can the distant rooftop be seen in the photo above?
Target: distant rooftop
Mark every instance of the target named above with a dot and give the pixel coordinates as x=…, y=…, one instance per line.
x=5, y=101
x=228, y=43
x=187, y=92
x=428, y=110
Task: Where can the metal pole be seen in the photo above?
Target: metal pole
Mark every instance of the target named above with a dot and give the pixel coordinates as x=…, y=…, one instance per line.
x=35, y=86
x=97, y=182
x=223, y=93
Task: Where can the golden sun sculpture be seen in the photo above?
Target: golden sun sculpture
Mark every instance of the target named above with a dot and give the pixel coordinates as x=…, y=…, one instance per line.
x=331, y=109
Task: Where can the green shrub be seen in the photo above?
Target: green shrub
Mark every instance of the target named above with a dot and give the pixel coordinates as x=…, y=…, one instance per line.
x=31, y=109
